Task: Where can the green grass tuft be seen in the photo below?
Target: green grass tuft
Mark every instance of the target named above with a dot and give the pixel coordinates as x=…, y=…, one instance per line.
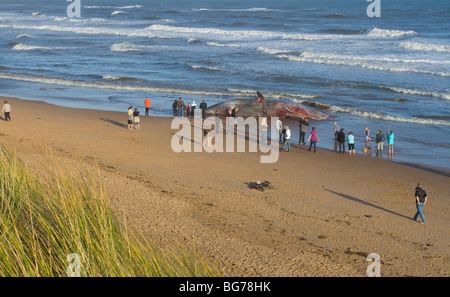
x=42, y=223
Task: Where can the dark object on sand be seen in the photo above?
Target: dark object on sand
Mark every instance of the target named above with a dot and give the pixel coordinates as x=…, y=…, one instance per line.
x=261, y=186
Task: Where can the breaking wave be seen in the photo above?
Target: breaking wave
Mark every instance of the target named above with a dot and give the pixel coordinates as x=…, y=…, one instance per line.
x=419, y=93
x=425, y=47
x=24, y=47
x=124, y=87
x=205, y=67
x=24, y=36
x=363, y=62
x=386, y=117
x=385, y=33
x=87, y=30
x=118, y=12
x=124, y=47
x=130, y=6
x=223, y=44
x=269, y=51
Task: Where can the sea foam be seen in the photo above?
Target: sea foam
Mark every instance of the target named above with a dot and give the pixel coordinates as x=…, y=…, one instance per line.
x=425, y=47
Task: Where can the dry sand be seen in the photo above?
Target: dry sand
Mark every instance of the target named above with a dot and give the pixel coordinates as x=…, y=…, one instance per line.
x=326, y=213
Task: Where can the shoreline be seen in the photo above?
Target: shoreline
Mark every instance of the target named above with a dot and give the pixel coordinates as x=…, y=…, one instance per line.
x=436, y=169
x=325, y=213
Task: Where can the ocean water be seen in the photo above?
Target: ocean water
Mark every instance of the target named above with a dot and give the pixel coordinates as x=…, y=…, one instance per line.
x=390, y=72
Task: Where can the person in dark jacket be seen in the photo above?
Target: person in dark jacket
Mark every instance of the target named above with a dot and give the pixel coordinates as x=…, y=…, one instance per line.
x=203, y=107
x=421, y=199
x=175, y=108
x=303, y=125
x=341, y=141
x=181, y=107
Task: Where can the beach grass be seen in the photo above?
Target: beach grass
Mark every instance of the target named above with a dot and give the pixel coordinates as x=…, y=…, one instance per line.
x=64, y=226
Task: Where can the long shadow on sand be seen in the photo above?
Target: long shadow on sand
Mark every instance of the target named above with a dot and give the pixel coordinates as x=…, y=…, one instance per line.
x=115, y=122
x=368, y=204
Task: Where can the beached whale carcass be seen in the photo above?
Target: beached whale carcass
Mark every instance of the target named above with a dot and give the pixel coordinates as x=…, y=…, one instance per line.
x=266, y=108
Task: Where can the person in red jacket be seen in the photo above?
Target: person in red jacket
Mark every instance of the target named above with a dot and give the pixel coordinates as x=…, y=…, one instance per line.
x=147, y=106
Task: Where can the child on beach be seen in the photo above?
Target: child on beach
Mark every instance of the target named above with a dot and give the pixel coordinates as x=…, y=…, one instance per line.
x=367, y=134
x=137, y=121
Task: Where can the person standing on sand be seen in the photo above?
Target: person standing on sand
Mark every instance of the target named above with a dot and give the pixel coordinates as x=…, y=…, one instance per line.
x=303, y=125
x=230, y=125
x=341, y=141
x=136, y=119
x=280, y=129
x=188, y=110
x=313, y=139
x=379, y=139
x=421, y=199
x=130, y=118
x=351, y=143
x=287, y=140
x=147, y=106
x=180, y=107
x=203, y=107
x=7, y=110
x=175, y=108
x=234, y=114
x=390, y=138
x=336, y=131
x=264, y=126
x=193, y=107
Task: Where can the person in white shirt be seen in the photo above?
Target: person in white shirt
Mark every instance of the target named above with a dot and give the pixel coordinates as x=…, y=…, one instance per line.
x=287, y=140
x=7, y=110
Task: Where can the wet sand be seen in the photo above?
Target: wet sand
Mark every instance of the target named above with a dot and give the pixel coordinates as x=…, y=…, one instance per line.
x=325, y=214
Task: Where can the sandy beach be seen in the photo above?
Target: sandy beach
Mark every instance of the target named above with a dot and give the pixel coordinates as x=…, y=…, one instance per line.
x=325, y=214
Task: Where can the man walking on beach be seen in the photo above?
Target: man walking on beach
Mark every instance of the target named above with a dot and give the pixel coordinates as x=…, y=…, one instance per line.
x=421, y=199
x=379, y=139
x=147, y=106
x=7, y=110
x=303, y=125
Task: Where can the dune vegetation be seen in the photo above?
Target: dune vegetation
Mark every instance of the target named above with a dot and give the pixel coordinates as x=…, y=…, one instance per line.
x=64, y=226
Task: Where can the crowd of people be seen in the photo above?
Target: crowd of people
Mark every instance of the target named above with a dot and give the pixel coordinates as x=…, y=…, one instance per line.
x=180, y=109
x=341, y=140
